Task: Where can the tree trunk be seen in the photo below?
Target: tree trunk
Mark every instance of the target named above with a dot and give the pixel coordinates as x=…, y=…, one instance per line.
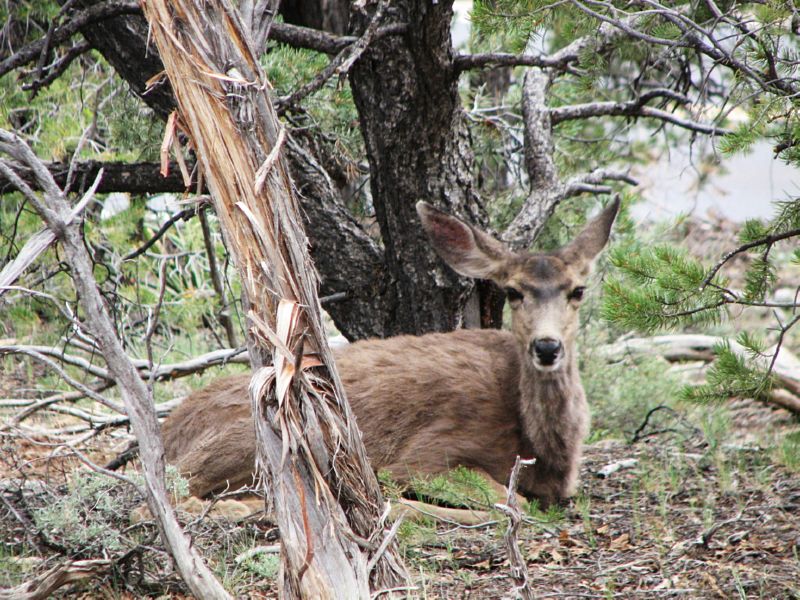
x=419, y=148
x=324, y=494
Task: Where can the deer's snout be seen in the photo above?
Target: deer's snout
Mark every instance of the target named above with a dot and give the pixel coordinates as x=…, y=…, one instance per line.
x=546, y=351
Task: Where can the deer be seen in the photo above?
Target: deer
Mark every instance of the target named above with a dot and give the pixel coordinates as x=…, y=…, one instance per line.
x=476, y=398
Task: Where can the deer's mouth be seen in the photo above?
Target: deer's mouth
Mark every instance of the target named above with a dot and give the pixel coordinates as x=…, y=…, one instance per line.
x=547, y=367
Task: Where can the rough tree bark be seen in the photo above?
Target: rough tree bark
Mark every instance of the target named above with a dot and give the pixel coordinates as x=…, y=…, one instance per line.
x=418, y=147
x=324, y=494
x=134, y=178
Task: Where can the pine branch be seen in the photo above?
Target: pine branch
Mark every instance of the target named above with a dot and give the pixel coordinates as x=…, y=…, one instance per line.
x=632, y=108
x=768, y=241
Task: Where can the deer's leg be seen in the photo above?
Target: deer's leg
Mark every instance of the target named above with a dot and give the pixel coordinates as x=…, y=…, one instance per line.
x=499, y=489
x=231, y=509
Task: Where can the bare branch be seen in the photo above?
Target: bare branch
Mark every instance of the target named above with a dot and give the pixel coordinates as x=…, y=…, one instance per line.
x=633, y=108
x=138, y=401
x=182, y=215
x=45, y=585
x=216, y=281
x=494, y=60
x=765, y=241
x=59, y=354
x=57, y=69
x=519, y=569
x=339, y=65
x=134, y=178
x=547, y=189
x=322, y=41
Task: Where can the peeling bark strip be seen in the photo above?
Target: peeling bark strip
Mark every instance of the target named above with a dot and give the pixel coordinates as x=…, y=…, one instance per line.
x=303, y=423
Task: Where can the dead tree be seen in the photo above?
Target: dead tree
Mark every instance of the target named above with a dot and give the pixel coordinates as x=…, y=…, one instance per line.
x=324, y=494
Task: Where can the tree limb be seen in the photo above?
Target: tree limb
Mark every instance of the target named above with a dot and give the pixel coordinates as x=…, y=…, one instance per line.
x=134, y=178
x=632, y=108
x=45, y=585
x=339, y=65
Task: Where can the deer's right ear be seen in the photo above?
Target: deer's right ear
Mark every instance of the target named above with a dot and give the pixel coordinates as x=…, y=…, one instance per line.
x=467, y=250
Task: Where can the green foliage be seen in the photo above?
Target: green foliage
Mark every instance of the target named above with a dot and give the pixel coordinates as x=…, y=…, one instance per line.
x=88, y=94
x=759, y=279
x=741, y=140
x=85, y=518
x=657, y=287
x=622, y=393
x=330, y=109
x=552, y=515
x=14, y=569
x=264, y=564
x=91, y=517
x=733, y=375
x=459, y=487
x=512, y=21
x=788, y=451
x=786, y=219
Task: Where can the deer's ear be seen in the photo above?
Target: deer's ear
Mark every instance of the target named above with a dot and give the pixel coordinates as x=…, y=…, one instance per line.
x=467, y=250
x=587, y=245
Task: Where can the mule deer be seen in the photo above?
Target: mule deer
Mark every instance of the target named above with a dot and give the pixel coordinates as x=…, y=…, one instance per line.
x=476, y=398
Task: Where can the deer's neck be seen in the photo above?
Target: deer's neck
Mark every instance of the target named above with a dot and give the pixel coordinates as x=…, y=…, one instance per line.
x=555, y=420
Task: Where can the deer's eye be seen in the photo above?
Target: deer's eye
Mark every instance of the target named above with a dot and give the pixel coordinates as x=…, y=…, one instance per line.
x=577, y=293
x=513, y=295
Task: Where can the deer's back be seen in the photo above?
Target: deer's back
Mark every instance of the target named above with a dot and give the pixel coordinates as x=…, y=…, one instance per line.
x=424, y=404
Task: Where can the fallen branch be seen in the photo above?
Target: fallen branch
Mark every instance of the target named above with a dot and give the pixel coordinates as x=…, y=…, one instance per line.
x=414, y=511
x=785, y=366
x=59, y=576
x=611, y=468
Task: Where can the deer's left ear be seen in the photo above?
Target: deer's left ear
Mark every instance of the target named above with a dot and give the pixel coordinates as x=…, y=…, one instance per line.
x=587, y=245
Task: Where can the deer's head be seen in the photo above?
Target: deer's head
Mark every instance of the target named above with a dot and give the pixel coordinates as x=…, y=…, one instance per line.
x=544, y=290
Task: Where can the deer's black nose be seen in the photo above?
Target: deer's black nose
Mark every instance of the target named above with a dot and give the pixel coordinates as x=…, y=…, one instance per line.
x=547, y=350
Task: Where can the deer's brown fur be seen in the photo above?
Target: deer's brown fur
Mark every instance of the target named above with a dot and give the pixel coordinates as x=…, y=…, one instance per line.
x=426, y=404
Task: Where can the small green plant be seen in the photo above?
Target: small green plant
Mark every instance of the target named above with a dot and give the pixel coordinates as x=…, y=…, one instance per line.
x=90, y=517
x=263, y=564
x=552, y=515
x=86, y=518
x=459, y=487
x=13, y=567
x=788, y=452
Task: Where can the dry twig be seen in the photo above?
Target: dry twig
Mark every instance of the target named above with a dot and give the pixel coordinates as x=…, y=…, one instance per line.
x=519, y=569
